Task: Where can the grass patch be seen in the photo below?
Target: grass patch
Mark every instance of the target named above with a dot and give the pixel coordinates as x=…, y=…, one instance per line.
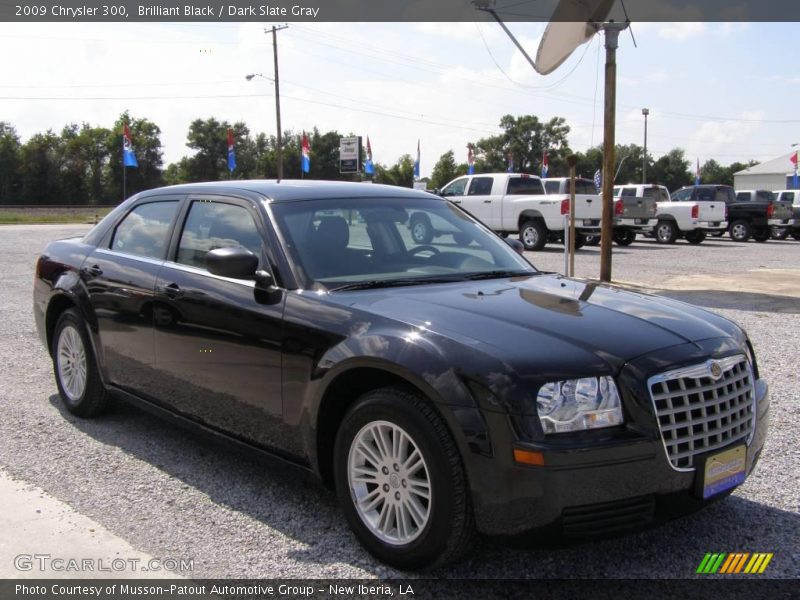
x=33, y=217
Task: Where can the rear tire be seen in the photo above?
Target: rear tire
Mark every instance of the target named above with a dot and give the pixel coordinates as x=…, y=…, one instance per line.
x=740, y=231
x=533, y=235
x=77, y=377
x=666, y=232
x=624, y=237
x=695, y=237
x=400, y=481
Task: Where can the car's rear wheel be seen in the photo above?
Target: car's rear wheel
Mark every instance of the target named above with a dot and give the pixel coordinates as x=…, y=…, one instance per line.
x=740, y=231
x=533, y=235
x=666, y=232
x=695, y=237
x=75, y=367
x=421, y=229
x=624, y=237
x=400, y=481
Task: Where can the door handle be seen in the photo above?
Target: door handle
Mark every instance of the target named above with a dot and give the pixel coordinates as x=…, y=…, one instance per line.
x=456, y=201
x=171, y=290
x=487, y=201
x=94, y=270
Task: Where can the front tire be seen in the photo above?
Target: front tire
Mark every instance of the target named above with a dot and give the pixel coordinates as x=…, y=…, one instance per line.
x=780, y=233
x=400, y=481
x=77, y=377
x=695, y=237
x=624, y=237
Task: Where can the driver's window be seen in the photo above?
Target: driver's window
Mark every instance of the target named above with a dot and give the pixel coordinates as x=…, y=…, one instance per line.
x=455, y=188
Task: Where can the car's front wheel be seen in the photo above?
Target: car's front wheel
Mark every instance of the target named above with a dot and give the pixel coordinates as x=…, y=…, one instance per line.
x=780, y=233
x=624, y=237
x=666, y=232
x=695, y=237
x=75, y=367
x=400, y=481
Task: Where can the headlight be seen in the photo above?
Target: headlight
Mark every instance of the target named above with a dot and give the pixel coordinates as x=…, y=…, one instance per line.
x=579, y=404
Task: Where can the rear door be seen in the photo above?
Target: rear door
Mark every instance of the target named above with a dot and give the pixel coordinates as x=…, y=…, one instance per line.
x=120, y=275
x=218, y=340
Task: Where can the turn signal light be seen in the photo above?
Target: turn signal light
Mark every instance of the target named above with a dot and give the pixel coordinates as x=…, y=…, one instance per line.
x=528, y=457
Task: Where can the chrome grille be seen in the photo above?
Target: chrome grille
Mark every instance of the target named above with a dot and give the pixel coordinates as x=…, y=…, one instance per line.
x=699, y=413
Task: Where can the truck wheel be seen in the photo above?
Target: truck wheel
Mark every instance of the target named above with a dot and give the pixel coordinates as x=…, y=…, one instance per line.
x=592, y=240
x=780, y=233
x=740, y=231
x=421, y=228
x=533, y=235
x=77, y=377
x=400, y=481
x=796, y=234
x=761, y=235
x=695, y=237
x=580, y=241
x=666, y=232
x=624, y=237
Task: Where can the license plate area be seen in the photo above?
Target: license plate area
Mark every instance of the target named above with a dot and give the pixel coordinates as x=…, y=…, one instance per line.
x=588, y=222
x=722, y=471
x=640, y=221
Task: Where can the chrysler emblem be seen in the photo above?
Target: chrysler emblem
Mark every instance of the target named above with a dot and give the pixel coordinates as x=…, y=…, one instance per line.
x=714, y=370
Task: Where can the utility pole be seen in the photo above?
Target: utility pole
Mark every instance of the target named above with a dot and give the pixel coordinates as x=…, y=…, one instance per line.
x=611, y=30
x=275, y=30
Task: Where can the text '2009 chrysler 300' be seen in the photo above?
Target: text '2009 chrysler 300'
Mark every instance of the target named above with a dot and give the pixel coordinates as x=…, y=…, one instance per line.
x=441, y=389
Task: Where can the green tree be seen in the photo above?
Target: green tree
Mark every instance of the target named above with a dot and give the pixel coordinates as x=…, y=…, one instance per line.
x=10, y=156
x=146, y=142
x=401, y=173
x=672, y=170
x=42, y=157
x=444, y=170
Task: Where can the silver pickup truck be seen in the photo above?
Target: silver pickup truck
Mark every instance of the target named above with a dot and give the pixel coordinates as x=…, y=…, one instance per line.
x=635, y=207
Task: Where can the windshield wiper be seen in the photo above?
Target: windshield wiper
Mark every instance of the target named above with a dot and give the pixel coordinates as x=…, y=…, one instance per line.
x=498, y=274
x=381, y=283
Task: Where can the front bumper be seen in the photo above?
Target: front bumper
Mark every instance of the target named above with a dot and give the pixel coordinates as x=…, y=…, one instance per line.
x=598, y=483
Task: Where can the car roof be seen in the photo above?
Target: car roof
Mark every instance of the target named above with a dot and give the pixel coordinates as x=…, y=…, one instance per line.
x=286, y=190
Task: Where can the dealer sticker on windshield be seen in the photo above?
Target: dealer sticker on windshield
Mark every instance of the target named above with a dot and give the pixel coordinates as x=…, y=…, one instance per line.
x=724, y=471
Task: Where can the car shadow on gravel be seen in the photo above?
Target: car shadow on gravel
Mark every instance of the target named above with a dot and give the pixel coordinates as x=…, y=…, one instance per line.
x=285, y=499
x=731, y=299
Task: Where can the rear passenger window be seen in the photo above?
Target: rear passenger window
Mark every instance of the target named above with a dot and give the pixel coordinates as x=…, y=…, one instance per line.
x=552, y=187
x=706, y=194
x=788, y=196
x=525, y=186
x=212, y=225
x=481, y=186
x=584, y=186
x=144, y=230
x=742, y=197
x=764, y=195
x=628, y=192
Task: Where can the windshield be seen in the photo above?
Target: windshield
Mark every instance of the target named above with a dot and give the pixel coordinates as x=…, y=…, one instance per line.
x=390, y=241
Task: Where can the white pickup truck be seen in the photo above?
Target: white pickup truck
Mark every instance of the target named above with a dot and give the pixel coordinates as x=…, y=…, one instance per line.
x=691, y=213
x=516, y=203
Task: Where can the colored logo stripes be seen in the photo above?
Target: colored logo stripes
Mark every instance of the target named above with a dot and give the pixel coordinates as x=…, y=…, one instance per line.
x=735, y=562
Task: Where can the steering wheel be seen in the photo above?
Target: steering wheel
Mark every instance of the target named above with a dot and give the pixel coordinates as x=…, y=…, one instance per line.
x=424, y=248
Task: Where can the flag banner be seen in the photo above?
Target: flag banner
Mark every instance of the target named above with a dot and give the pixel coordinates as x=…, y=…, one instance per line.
x=544, y=164
x=231, y=154
x=598, y=180
x=128, y=157
x=416, y=164
x=470, y=161
x=306, y=154
x=369, y=167
x=697, y=173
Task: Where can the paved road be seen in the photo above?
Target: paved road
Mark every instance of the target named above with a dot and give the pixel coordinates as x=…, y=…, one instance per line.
x=166, y=493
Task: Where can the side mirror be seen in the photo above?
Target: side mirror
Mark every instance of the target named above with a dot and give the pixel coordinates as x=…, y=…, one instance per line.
x=515, y=244
x=236, y=263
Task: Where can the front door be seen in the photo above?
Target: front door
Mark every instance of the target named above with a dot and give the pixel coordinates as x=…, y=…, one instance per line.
x=218, y=340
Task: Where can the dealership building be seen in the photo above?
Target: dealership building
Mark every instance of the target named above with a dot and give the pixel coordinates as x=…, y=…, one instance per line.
x=775, y=174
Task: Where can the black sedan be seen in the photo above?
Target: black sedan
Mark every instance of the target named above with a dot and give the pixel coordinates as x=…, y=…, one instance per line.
x=441, y=389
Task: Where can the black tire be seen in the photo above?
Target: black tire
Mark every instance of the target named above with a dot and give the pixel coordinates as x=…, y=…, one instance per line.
x=449, y=529
x=93, y=398
x=535, y=233
x=780, y=233
x=695, y=237
x=624, y=237
x=740, y=231
x=796, y=234
x=421, y=228
x=761, y=235
x=580, y=241
x=593, y=240
x=666, y=232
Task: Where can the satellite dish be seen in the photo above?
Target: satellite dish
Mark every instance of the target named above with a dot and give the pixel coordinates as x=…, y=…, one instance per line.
x=570, y=26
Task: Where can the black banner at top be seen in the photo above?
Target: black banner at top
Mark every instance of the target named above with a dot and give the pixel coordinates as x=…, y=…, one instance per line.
x=394, y=10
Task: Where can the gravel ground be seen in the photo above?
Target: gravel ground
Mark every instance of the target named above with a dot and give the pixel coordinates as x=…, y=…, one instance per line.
x=171, y=494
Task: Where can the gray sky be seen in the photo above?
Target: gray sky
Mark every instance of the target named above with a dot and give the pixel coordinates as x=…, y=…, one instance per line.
x=722, y=91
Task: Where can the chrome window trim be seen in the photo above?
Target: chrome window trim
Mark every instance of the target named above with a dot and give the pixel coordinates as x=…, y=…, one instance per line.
x=147, y=259
x=198, y=271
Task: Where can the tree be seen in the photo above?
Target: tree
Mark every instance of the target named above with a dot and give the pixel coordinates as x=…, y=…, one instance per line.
x=146, y=142
x=42, y=157
x=713, y=172
x=401, y=173
x=672, y=170
x=10, y=150
x=445, y=170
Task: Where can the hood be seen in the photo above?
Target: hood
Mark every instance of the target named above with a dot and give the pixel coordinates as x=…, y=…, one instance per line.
x=546, y=321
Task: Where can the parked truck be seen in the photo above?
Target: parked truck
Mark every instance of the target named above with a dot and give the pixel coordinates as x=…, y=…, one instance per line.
x=788, y=197
x=516, y=203
x=691, y=213
x=635, y=208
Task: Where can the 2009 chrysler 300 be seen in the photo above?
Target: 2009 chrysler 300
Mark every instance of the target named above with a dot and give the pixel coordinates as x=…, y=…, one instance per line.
x=441, y=389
